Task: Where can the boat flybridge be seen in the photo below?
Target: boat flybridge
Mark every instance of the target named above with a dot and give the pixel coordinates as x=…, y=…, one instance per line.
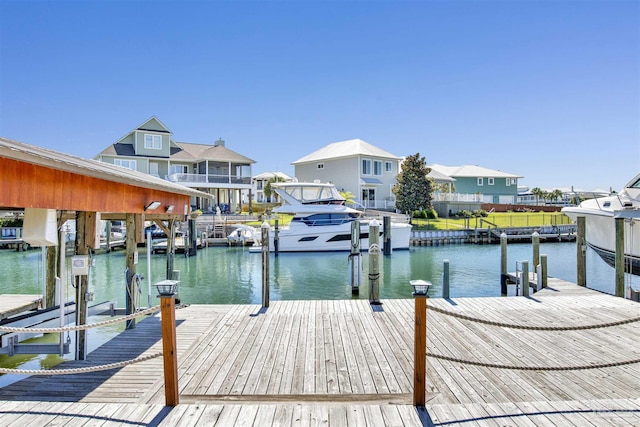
x=322, y=221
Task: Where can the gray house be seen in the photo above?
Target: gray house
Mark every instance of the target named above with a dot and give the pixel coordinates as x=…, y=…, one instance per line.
x=356, y=166
x=213, y=169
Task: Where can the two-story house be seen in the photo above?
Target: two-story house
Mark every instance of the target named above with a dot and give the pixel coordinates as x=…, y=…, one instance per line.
x=366, y=171
x=482, y=184
x=261, y=180
x=213, y=169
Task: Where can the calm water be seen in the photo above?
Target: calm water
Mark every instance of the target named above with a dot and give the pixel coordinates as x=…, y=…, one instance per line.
x=223, y=275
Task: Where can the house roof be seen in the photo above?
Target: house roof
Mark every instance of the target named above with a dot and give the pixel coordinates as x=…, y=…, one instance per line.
x=341, y=149
x=93, y=168
x=439, y=176
x=471, y=171
x=208, y=152
x=269, y=175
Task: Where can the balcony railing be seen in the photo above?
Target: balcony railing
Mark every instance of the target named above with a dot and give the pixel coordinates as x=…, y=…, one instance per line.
x=457, y=197
x=195, y=178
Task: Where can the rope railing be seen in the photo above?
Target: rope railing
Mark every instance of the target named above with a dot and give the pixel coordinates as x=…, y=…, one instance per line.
x=82, y=370
x=533, y=328
x=82, y=327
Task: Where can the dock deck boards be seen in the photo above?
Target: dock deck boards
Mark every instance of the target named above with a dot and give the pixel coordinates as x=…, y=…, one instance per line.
x=12, y=304
x=341, y=363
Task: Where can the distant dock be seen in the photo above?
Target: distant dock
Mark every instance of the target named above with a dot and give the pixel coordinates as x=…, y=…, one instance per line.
x=340, y=363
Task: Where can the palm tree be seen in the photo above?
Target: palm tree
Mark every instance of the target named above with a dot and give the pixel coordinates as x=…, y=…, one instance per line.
x=537, y=192
x=268, y=191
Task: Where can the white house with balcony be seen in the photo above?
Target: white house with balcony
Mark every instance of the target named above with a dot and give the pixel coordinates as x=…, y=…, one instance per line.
x=261, y=180
x=211, y=168
x=366, y=171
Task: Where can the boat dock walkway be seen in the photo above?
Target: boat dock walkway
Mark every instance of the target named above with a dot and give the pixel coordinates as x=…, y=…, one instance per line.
x=13, y=304
x=340, y=363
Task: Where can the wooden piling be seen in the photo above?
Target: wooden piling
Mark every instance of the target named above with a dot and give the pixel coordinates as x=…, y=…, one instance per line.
x=525, y=278
x=265, y=264
x=276, y=238
x=386, y=234
x=544, y=271
x=132, y=260
x=619, y=257
x=445, y=280
x=581, y=252
x=355, y=258
x=82, y=287
x=420, y=351
x=169, y=350
x=503, y=265
x=535, y=242
x=374, y=255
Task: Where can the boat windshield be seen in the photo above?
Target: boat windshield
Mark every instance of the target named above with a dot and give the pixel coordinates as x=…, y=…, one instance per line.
x=316, y=194
x=326, y=219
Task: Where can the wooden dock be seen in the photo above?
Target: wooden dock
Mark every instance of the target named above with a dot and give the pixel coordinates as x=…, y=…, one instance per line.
x=12, y=304
x=340, y=363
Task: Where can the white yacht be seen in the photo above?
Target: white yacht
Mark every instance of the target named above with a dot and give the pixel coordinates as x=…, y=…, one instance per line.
x=600, y=214
x=322, y=222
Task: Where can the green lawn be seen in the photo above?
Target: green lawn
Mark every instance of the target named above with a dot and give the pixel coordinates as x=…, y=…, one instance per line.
x=501, y=220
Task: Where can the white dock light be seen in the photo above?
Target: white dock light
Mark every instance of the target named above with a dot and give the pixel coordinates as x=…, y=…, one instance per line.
x=167, y=288
x=420, y=287
x=151, y=206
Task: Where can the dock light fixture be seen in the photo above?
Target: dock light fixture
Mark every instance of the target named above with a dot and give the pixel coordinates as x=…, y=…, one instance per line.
x=167, y=288
x=151, y=206
x=169, y=208
x=420, y=287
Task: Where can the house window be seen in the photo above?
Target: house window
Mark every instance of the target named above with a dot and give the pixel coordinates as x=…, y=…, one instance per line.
x=490, y=181
x=377, y=167
x=260, y=185
x=320, y=165
x=129, y=164
x=508, y=182
x=152, y=142
x=388, y=166
x=366, y=167
x=480, y=181
x=513, y=181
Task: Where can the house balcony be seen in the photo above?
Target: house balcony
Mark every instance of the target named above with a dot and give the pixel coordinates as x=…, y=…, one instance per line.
x=196, y=180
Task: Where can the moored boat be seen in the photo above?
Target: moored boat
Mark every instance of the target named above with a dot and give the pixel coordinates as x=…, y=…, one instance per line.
x=600, y=214
x=322, y=221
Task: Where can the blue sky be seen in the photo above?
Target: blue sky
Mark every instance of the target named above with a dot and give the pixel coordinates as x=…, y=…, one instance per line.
x=549, y=90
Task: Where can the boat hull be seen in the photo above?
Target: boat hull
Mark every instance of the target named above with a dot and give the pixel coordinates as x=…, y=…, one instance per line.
x=300, y=238
x=600, y=234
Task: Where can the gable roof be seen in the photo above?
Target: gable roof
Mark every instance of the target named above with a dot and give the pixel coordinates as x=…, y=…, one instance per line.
x=342, y=149
x=269, y=175
x=152, y=124
x=471, y=171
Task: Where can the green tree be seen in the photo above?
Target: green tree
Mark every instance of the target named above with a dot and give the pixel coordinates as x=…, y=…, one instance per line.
x=537, y=192
x=268, y=191
x=348, y=196
x=413, y=189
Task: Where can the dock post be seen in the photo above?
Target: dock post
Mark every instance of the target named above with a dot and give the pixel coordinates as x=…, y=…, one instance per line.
x=276, y=238
x=420, y=350
x=169, y=349
x=535, y=240
x=374, y=255
x=265, y=264
x=108, y=236
x=619, y=257
x=503, y=264
x=355, y=259
x=581, y=245
x=132, y=261
x=386, y=234
x=525, y=278
x=544, y=271
x=445, y=280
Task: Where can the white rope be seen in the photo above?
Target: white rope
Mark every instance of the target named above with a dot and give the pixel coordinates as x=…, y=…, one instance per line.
x=71, y=371
x=81, y=327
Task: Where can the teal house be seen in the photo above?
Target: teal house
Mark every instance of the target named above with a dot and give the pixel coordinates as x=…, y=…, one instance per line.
x=480, y=185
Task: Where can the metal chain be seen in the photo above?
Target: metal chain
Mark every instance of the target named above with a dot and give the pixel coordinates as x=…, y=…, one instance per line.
x=81, y=327
x=79, y=370
x=534, y=368
x=533, y=328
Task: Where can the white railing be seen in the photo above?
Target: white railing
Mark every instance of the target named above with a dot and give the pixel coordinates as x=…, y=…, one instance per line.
x=211, y=179
x=457, y=197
